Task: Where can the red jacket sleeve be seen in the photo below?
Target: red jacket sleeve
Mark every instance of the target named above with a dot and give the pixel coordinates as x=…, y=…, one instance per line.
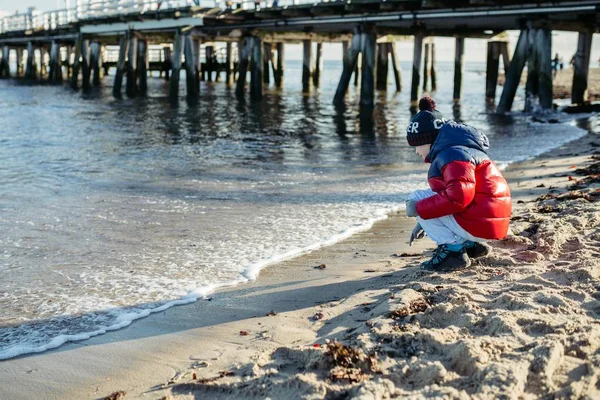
x=459, y=177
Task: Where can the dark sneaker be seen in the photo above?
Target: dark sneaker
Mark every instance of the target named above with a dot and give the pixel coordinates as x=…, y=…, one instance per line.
x=445, y=260
x=476, y=249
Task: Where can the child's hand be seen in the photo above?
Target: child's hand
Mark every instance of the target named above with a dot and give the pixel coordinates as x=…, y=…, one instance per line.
x=417, y=233
x=411, y=208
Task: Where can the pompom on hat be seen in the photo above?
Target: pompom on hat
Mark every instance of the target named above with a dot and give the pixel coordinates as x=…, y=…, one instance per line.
x=426, y=104
x=424, y=126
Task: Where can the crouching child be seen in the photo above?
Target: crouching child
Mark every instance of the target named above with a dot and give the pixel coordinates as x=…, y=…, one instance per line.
x=469, y=201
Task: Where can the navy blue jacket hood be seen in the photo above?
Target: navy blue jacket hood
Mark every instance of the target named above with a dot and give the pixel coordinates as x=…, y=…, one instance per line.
x=455, y=134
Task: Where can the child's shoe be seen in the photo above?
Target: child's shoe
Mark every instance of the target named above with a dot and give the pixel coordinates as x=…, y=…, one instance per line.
x=447, y=258
x=477, y=249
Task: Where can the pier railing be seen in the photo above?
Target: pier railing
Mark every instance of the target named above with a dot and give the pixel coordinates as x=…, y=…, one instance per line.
x=34, y=20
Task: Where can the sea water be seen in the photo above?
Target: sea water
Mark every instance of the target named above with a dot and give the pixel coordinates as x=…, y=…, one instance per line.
x=111, y=209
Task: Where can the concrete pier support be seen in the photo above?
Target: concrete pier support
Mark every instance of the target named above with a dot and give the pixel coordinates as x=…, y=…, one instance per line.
x=513, y=75
x=395, y=67
x=306, y=65
x=367, y=85
x=192, y=76
x=350, y=59
x=95, y=63
x=459, y=56
x=229, y=67
x=581, y=68
x=493, y=63
x=256, y=71
x=131, y=88
x=382, y=65
x=142, y=66
x=121, y=65
x=30, y=62
x=280, y=65
x=318, y=65
x=244, y=49
x=176, y=64
x=414, y=86
x=4, y=65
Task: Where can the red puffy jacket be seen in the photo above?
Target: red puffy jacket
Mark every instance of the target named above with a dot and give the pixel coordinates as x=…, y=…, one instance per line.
x=467, y=183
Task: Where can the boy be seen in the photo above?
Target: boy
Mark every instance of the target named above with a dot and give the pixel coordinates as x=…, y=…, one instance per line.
x=469, y=200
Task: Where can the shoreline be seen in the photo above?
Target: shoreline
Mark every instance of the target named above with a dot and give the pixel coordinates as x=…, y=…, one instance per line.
x=205, y=338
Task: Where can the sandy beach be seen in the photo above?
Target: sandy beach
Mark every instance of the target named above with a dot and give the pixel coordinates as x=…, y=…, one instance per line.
x=359, y=319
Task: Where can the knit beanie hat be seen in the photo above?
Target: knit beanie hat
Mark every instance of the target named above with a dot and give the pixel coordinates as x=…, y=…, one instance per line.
x=425, y=125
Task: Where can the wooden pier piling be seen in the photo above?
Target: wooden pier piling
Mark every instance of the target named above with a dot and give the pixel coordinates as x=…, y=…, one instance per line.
x=20, y=68
x=229, y=67
x=142, y=66
x=131, y=88
x=318, y=65
x=581, y=68
x=42, y=64
x=30, y=63
x=4, y=65
x=426, y=65
x=350, y=59
x=493, y=64
x=192, y=75
x=367, y=84
x=544, y=48
x=176, y=64
x=68, y=63
x=95, y=63
x=55, y=74
x=121, y=65
x=306, y=65
x=513, y=75
x=395, y=67
x=505, y=56
x=357, y=69
x=382, y=65
x=459, y=56
x=85, y=64
x=244, y=49
x=280, y=65
x=433, y=71
x=414, y=87
x=167, y=62
x=266, y=63
x=256, y=71
x=210, y=55
x=533, y=70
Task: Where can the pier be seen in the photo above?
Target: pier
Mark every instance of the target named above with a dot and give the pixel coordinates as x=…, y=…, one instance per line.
x=242, y=44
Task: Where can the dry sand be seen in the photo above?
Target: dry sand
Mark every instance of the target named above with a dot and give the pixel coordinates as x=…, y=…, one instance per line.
x=521, y=323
